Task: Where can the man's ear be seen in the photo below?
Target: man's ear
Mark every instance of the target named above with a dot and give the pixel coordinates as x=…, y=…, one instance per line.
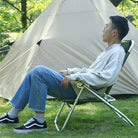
x=115, y=32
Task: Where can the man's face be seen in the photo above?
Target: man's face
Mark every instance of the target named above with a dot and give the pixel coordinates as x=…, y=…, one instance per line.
x=108, y=32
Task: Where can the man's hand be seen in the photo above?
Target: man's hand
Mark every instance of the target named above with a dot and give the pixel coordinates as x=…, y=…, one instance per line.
x=64, y=72
x=65, y=81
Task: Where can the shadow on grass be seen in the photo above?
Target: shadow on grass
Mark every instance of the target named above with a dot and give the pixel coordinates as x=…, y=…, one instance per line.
x=125, y=96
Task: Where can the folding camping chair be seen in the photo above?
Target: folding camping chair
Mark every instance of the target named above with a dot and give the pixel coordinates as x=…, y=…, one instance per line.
x=103, y=96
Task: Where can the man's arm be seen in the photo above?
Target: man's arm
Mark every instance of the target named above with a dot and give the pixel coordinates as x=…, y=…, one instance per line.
x=65, y=81
x=67, y=73
x=64, y=72
x=76, y=70
x=106, y=77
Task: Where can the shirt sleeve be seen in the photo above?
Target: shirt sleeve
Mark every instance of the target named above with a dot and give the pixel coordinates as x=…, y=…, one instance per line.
x=76, y=70
x=106, y=77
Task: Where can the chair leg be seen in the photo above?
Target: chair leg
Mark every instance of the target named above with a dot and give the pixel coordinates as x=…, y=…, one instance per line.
x=116, y=111
x=58, y=114
x=123, y=117
x=69, y=114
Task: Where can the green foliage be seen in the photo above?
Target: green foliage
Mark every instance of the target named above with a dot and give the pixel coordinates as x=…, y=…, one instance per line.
x=127, y=7
x=35, y=7
x=10, y=18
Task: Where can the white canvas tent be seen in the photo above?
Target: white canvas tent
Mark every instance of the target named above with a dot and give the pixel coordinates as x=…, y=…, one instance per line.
x=71, y=34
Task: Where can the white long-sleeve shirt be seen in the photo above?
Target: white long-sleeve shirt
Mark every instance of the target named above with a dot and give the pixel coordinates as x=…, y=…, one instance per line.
x=104, y=71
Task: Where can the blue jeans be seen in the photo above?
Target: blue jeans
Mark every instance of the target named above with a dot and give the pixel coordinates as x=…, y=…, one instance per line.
x=37, y=84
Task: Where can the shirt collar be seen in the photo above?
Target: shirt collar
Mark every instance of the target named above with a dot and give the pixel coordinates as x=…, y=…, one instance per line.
x=114, y=45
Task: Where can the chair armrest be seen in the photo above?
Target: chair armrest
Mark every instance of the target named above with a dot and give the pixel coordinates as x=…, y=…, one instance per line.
x=76, y=82
x=80, y=83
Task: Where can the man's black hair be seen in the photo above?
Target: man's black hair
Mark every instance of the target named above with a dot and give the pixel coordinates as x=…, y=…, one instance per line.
x=121, y=24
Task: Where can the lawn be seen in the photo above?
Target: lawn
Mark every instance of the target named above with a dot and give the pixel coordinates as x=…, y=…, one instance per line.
x=91, y=120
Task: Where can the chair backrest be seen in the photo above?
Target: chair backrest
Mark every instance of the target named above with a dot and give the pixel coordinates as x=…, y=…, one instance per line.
x=127, y=45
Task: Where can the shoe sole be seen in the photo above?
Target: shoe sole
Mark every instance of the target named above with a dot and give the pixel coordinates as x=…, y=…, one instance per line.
x=27, y=131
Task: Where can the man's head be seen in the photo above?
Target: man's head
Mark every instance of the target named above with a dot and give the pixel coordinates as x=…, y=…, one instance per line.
x=117, y=28
x=121, y=24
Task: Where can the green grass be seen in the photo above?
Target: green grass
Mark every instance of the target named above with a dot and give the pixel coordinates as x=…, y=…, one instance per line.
x=91, y=120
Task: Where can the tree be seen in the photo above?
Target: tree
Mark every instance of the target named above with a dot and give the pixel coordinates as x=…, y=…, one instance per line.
x=117, y=2
x=129, y=8
x=24, y=6
x=17, y=15
x=23, y=13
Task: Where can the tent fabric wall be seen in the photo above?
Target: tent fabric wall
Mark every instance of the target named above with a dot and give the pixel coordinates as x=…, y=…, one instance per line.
x=71, y=34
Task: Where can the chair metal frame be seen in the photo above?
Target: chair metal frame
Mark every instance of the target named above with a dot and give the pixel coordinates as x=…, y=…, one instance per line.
x=107, y=99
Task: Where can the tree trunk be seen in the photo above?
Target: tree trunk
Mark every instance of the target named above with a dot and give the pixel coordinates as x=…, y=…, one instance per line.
x=115, y=2
x=23, y=13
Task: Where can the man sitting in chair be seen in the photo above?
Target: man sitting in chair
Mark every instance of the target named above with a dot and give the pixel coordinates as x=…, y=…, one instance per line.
x=42, y=81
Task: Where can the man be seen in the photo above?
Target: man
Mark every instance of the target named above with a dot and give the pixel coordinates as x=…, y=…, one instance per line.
x=42, y=81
